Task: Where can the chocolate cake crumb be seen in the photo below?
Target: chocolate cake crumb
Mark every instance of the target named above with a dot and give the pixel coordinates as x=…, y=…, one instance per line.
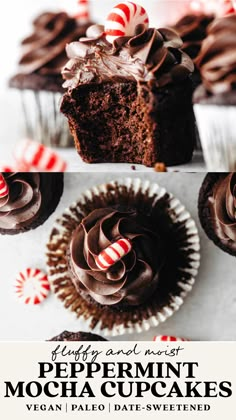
x=160, y=167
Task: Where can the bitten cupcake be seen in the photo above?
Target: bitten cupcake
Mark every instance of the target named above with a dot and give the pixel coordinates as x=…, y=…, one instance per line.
x=77, y=336
x=39, y=77
x=27, y=199
x=215, y=99
x=217, y=210
x=124, y=256
x=129, y=92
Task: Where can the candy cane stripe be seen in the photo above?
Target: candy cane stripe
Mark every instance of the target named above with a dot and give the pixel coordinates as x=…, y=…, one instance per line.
x=4, y=190
x=123, y=19
x=113, y=253
x=168, y=338
x=32, y=286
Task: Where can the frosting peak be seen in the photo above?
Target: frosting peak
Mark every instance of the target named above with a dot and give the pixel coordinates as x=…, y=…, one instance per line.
x=44, y=50
x=148, y=55
x=217, y=58
x=223, y=208
x=130, y=280
x=23, y=201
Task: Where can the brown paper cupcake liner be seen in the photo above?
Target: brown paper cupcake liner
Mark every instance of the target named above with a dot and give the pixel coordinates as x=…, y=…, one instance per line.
x=178, y=277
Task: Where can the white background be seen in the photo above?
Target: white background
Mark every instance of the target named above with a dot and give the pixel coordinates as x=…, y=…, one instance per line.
x=208, y=313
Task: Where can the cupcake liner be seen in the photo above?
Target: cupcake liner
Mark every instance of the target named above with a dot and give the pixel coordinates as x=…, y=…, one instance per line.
x=216, y=125
x=43, y=120
x=169, y=297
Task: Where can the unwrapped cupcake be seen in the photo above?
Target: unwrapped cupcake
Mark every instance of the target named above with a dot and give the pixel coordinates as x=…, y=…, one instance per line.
x=129, y=92
x=215, y=99
x=39, y=78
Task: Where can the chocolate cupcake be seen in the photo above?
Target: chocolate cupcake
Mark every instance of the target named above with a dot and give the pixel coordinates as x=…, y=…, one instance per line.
x=123, y=93
x=215, y=99
x=31, y=198
x=141, y=286
x=192, y=29
x=77, y=336
x=39, y=77
x=217, y=210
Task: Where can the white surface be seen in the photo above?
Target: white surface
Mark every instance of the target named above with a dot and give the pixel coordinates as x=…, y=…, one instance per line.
x=208, y=313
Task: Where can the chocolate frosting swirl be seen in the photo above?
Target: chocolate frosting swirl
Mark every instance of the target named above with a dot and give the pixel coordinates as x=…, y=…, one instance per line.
x=23, y=202
x=192, y=29
x=148, y=55
x=223, y=208
x=44, y=50
x=217, y=58
x=129, y=281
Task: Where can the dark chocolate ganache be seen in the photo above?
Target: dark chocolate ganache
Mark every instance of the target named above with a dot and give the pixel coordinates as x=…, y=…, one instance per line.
x=149, y=55
x=131, y=280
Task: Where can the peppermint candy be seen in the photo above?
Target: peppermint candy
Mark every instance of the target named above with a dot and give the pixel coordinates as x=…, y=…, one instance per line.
x=82, y=13
x=29, y=153
x=32, y=286
x=6, y=168
x=4, y=190
x=113, y=253
x=168, y=338
x=224, y=8
x=123, y=19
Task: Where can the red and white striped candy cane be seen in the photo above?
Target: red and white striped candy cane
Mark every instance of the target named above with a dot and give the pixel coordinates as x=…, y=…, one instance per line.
x=83, y=13
x=168, y=338
x=32, y=286
x=36, y=155
x=113, y=253
x=123, y=19
x=4, y=190
x=224, y=8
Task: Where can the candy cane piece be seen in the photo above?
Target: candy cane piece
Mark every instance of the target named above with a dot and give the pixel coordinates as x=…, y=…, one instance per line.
x=38, y=156
x=4, y=190
x=113, y=253
x=168, y=338
x=224, y=8
x=32, y=286
x=82, y=13
x=123, y=19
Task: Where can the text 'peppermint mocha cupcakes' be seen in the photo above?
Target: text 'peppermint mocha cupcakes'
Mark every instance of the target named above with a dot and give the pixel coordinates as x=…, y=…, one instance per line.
x=77, y=336
x=217, y=209
x=29, y=199
x=129, y=92
x=39, y=78
x=123, y=256
x=215, y=99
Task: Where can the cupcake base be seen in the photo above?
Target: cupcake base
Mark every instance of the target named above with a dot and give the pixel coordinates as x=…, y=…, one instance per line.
x=52, y=184
x=177, y=278
x=40, y=98
x=205, y=216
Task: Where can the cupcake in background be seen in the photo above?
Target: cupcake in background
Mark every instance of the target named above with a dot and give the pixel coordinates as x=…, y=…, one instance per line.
x=27, y=200
x=217, y=210
x=192, y=29
x=39, y=78
x=215, y=99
